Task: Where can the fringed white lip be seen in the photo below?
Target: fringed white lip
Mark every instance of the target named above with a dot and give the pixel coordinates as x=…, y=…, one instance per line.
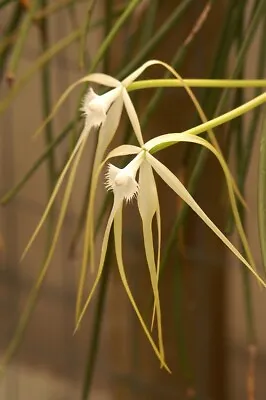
x=95, y=107
x=122, y=182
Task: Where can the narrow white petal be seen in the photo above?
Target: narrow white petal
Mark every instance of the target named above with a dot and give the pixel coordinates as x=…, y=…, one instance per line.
x=109, y=128
x=174, y=183
x=134, y=75
x=148, y=205
x=147, y=198
x=83, y=137
x=79, y=315
x=123, y=150
x=121, y=268
x=186, y=137
x=132, y=116
x=159, y=230
x=167, y=138
x=101, y=79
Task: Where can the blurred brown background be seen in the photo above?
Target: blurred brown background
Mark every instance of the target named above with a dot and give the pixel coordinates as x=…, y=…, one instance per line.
x=50, y=364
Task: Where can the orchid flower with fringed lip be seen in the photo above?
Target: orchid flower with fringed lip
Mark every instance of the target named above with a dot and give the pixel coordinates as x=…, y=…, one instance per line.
x=123, y=183
x=100, y=111
x=103, y=112
x=89, y=224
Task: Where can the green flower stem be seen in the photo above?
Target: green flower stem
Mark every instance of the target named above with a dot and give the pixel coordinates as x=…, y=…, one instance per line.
x=21, y=39
x=222, y=119
x=200, y=83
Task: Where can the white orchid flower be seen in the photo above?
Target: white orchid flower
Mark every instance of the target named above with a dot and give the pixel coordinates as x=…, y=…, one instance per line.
x=100, y=111
x=123, y=183
x=103, y=112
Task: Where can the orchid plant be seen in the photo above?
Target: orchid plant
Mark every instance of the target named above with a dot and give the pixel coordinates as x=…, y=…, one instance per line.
x=103, y=113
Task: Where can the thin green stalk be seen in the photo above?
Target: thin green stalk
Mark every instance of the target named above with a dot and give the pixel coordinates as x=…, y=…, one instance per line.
x=34, y=293
x=152, y=105
x=40, y=62
x=179, y=323
x=240, y=153
x=249, y=314
x=108, y=40
x=222, y=119
x=253, y=128
x=46, y=105
x=14, y=22
x=259, y=100
x=108, y=5
x=262, y=191
x=54, y=7
x=176, y=15
x=97, y=324
x=253, y=125
x=15, y=190
x=249, y=35
x=148, y=27
x=85, y=30
x=106, y=44
x=197, y=83
x=175, y=63
x=202, y=154
x=21, y=39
